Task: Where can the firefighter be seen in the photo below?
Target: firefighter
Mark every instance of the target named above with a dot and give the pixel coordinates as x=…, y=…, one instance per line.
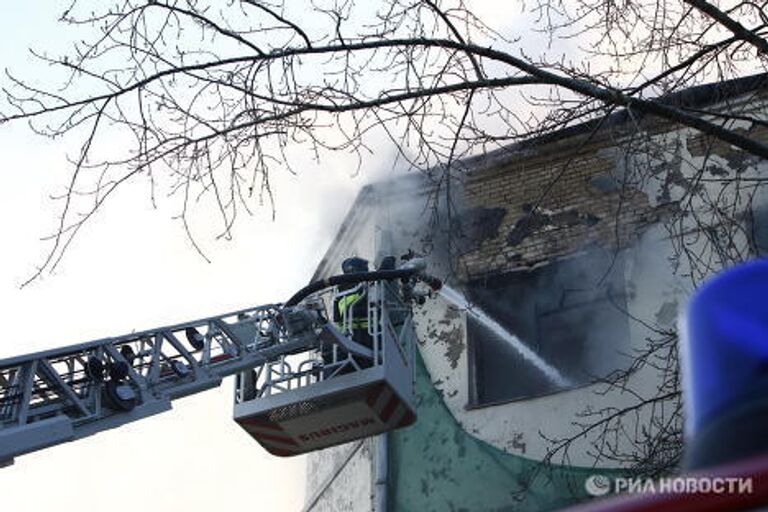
x=353, y=307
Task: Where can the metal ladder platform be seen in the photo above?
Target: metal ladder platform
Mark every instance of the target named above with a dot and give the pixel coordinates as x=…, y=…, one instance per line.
x=288, y=397
x=301, y=405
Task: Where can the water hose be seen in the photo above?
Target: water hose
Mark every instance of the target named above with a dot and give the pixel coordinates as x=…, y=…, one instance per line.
x=355, y=278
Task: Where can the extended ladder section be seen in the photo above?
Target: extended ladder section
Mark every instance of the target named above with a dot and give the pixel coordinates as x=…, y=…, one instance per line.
x=303, y=381
x=64, y=394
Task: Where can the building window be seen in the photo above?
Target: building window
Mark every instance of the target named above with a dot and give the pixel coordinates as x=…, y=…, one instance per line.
x=570, y=314
x=757, y=228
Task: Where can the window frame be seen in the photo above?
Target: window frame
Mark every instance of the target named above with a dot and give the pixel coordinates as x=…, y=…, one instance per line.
x=474, y=365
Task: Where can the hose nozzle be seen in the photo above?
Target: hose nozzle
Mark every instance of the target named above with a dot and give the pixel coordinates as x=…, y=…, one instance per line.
x=431, y=281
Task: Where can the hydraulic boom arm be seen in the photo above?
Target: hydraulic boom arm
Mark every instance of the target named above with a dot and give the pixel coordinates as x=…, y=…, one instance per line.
x=64, y=394
x=60, y=395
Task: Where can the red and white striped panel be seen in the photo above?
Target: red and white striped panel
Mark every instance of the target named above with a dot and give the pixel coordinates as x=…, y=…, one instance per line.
x=371, y=410
x=270, y=435
x=388, y=407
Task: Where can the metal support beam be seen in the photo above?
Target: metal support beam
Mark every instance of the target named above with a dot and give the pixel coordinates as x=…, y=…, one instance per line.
x=56, y=396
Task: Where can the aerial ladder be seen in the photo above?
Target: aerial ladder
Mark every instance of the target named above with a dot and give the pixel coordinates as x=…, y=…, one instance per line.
x=302, y=382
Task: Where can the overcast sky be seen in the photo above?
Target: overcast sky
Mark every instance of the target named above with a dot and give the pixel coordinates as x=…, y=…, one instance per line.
x=133, y=268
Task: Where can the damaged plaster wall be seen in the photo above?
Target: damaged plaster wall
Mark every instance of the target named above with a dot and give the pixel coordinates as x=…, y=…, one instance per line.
x=579, y=209
x=603, y=196
x=658, y=278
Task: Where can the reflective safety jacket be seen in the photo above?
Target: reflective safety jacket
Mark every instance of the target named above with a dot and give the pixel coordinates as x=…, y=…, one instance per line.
x=356, y=308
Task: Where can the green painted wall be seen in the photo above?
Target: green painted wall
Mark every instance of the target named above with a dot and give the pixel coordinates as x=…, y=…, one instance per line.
x=436, y=466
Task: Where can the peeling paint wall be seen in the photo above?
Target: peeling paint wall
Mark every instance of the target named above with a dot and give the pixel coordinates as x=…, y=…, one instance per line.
x=599, y=199
x=581, y=207
x=658, y=281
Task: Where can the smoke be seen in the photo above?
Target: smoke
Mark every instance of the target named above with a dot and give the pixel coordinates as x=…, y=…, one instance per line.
x=494, y=327
x=568, y=315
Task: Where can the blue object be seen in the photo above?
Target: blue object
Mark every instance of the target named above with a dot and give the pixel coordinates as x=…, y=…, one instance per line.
x=725, y=362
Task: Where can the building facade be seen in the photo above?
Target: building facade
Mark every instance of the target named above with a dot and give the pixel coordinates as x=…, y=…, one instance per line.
x=551, y=356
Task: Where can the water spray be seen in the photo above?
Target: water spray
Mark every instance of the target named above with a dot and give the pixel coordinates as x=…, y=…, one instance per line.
x=459, y=300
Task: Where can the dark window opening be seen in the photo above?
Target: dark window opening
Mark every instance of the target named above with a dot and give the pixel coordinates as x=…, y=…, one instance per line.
x=571, y=313
x=757, y=230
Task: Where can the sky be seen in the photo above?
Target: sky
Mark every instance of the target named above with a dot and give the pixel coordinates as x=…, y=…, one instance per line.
x=133, y=268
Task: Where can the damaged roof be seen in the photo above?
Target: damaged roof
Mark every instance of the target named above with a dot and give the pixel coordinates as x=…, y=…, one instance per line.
x=695, y=97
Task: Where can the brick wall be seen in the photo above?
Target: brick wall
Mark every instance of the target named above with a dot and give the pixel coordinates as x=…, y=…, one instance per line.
x=580, y=203
x=581, y=195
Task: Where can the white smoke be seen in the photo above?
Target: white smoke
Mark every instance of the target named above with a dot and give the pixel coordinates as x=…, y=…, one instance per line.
x=492, y=325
